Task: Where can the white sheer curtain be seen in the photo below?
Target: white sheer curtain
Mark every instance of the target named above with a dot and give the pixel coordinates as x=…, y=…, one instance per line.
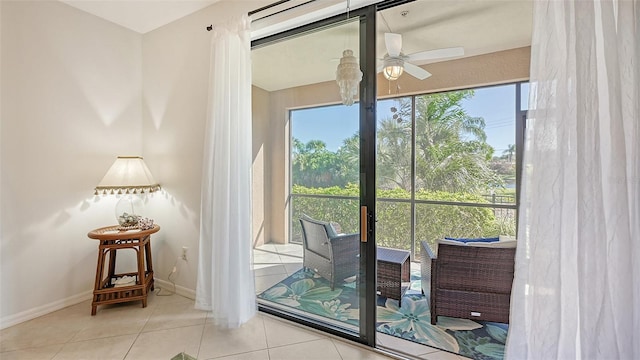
x=576, y=292
x=225, y=280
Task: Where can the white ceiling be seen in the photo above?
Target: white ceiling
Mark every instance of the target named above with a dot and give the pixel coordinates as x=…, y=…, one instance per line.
x=140, y=15
x=479, y=26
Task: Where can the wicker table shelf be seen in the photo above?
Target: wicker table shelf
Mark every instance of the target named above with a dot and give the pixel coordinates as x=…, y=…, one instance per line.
x=393, y=273
x=111, y=240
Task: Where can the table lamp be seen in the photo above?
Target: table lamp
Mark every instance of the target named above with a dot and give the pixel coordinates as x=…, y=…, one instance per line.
x=128, y=176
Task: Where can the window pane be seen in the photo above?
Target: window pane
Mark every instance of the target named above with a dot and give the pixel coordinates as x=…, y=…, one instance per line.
x=465, y=144
x=325, y=147
x=325, y=155
x=393, y=158
x=322, y=170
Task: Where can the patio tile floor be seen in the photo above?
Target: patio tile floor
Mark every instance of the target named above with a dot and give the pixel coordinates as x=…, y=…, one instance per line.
x=269, y=271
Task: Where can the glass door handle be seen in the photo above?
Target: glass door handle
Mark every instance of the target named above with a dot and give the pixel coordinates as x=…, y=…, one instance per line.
x=363, y=224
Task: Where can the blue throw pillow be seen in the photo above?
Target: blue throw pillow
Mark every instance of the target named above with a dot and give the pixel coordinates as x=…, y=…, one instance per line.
x=467, y=240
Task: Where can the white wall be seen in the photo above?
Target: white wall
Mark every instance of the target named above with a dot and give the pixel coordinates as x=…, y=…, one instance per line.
x=74, y=95
x=71, y=102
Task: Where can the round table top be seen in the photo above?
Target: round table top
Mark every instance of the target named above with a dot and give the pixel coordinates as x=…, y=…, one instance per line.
x=113, y=233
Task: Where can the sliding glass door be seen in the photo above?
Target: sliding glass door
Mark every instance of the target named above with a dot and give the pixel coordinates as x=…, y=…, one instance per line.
x=437, y=156
x=313, y=136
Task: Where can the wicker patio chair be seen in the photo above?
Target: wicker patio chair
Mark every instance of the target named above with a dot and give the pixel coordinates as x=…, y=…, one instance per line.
x=332, y=256
x=467, y=281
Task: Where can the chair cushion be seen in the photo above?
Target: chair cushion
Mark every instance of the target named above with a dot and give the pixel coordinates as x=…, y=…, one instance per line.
x=336, y=228
x=331, y=232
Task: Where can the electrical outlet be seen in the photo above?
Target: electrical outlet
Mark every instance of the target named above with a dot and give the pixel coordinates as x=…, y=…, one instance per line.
x=184, y=253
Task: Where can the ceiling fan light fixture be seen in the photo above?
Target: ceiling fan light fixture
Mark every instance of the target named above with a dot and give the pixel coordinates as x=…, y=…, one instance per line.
x=393, y=68
x=393, y=72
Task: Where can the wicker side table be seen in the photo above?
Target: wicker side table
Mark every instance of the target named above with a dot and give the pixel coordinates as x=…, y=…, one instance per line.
x=393, y=273
x=106, y=291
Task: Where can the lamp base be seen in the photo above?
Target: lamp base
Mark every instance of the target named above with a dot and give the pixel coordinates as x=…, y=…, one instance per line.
x=127, y=210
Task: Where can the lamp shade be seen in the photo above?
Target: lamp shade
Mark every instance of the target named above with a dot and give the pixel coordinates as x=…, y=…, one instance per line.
x=127, y=175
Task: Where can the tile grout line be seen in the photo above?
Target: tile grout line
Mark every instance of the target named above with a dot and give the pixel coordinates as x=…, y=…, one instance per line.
x=264, y=328
x=202, y=335
x=58, y=352
x=155, y=308
x=335, y=347
x=297, y=343
x=70, y=341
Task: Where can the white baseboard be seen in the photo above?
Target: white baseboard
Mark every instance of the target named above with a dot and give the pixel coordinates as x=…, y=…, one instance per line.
x=180, y=290
x=27, y=315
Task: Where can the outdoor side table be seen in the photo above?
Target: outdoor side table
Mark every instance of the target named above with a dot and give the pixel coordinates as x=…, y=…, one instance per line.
x=107, y=290
x=393, y=273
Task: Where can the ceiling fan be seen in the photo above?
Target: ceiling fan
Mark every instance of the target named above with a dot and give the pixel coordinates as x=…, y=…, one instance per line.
x=395, y=63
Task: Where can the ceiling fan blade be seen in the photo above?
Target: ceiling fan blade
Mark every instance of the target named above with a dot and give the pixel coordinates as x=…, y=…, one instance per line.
x=379, y=68
x=436, y=54
x=416, y=71
x=393, y=43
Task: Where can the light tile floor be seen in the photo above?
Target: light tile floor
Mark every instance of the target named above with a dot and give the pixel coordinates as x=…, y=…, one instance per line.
x=275, y=262
x=167, y=326
x=170, y=325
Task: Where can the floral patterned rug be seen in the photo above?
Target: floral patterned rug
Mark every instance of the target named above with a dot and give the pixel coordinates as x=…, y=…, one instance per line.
x=308, y=292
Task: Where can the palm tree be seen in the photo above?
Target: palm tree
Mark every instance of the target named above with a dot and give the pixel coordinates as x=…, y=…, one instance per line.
x=451, y=149
x=313, y=165
x=394, y=154
x=349, y=158
x=511, y=149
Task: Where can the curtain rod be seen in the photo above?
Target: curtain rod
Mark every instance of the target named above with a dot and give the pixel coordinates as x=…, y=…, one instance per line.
x=277, y=12
x=267, y=7
x=381, y=5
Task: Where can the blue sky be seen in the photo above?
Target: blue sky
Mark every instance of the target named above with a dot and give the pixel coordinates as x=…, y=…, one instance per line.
x=332, y=124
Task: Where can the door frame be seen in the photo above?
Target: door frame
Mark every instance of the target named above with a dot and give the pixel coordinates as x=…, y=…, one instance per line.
x=367, y=114
x=368, y=122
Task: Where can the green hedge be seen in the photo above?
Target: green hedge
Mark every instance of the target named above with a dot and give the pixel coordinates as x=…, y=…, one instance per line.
x=393, y=228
